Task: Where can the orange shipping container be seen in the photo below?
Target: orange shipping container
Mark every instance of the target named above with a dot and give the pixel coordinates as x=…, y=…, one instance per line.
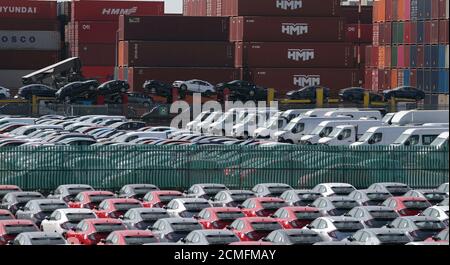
x=381, y=57
x=401, y=10
x=394, y=78
x=381, y=10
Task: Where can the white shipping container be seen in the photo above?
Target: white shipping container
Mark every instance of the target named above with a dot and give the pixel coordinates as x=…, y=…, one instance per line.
x=30, y=40
x=12, y=79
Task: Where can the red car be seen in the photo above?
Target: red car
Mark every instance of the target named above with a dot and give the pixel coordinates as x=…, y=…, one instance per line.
x=114, y=208
x=218, y=217
x=160, y=198
x=262, y=206
x=9, y=229
x=90, y=199
x=254, y=228
x=92, y=231
x=6, y=215
x=296, y=217
x=407, y=206
x=5, y=189
x=130, y=237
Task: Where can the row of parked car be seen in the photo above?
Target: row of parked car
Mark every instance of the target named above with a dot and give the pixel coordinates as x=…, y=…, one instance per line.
x=341, y=126
x=212, y=214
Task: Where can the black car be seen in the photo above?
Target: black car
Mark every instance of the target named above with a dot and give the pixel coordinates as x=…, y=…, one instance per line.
x=27, y=92
x=242, y=91
x=356, y=94
x=308, y=92
x=406, y=92
x=79, y=89
x=113, y=87
x=158, y=88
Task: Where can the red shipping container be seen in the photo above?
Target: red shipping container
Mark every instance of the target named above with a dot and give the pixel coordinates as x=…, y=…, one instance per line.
x=427, y=25
x=407, y=10
x=420, y=56
x=443, y=31
x=165, y=28
x=368, y=56
x=394, y=78
x=376, y=34
x=413, y=36
x=401, y=10
x=30, y=25
x=368, y=78
x=202, y=8
x=435, y=9
x=375, y=56
x=434, y=32
x=137, y=76
x=310, y=8
x=386, y=80
x=25, y=60
x=100, y=73
x=95, y=32
x=388, y=10
x=287, y=79
x=407, y=55
x=295, y=55
x=387, y=56
x=26, y=9
x=111, y=10
x=176, y=54
x=407, y=32
x=381, y=57
x=386, y=33
x=413, y=78
x=297, y=29
x=359, y=33
x=96, y=54
x=443, y=9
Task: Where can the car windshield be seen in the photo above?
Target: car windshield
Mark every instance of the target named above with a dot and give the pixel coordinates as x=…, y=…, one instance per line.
x=221, y=239
x=5, y=216
x=342, y=190
x=278, y=190
x=345, y=204
x=430, y=225
x=168, y=198
x=402, y=139
x=273, y=205
x=242, y=196
x=365, y=137
x=305, y=238
x=99, y=198
x=229, y=215
x=186, y=226
x=25, y=198
x=143, y=190
x=140, y=240
x=126, y=205
x=335, y=132
x=398, y=237
x=103, y=228
x=302, y=215
x=17, y=229
x=47, y=241
x=77, y=217
x=435, y=196
x=74, y=191
x=196, y=206
x=348, y=225
x=154, y=216
x=273, y=121
x=50, y=207
x=295, y=127
x=213, y=190
x=384, y=214
x=397, y=189
x=416, y=204
x=266, y=226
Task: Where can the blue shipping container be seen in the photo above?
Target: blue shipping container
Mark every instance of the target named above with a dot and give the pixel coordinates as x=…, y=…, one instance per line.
x=420, y=79
x=443, y=81
x=434, y=81
x=421, y=9
x=427, y=56
x=406, y=76
x=414, y=10
x=427, y=80
x=441, y=56
x=420, y=32
x=413, y=56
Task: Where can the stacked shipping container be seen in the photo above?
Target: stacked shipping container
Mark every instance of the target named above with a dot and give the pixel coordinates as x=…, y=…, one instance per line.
x=287, y=44
x=29, y=39
x=169, y=48
x=410, y=45
x=92, y=32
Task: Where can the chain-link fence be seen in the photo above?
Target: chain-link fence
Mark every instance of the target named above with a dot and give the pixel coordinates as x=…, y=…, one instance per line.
x=110, y=167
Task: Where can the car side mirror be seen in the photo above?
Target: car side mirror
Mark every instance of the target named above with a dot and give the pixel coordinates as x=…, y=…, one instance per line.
x=340, y=137
x=347, y=214
x=21, y=208
x=436, y=238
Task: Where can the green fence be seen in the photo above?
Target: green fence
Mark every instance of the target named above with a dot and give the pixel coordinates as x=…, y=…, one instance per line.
x=110, y=167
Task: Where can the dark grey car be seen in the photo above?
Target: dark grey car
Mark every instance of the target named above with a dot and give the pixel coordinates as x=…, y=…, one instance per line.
x=374, y=216
x=15, y=200
x=174, y=229
x=143, y=218
x=300, y=197
x=38, y=210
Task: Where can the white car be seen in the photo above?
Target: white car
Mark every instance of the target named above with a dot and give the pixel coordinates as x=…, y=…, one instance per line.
x=335, y=228
x=186, y=207
x=62, y=220
x=4, y=93
x=334, y=189
x=196, y=86
x=439, y=212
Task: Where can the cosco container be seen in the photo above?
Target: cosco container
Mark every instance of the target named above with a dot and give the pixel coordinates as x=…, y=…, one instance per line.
x=30, y=40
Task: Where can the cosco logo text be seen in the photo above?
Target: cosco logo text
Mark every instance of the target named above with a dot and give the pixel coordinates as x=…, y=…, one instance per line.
x=17, y=39
x=289, y=4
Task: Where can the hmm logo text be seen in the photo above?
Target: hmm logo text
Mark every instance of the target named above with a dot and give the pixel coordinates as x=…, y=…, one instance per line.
x=301, y=54
x=306, y=80
x=119, y=11
x=289, y=4
x=18, y=9
x=294, y=29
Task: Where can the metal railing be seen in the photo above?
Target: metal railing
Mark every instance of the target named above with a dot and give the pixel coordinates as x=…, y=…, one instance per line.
x=178, y=167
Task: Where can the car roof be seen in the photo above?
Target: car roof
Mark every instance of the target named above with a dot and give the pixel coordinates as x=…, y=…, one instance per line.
x=179, y=220
x=338, y=198
x=158, y=192
x=419, y=218
x=257, y=219
x=403, y=198
x=214, y=232
x=429, y=191
x=97, y=192
x=122, y=200
x=209, y=185
x=224, y=209
x=340, y=218
x=148, y=210
x=375, y=208
x=382, y=231
x=439, y=207
x=133, y=232
x=337, y=184
x=39, y=201
x=390, y=184
x=41, y=234
x=74, y=210
x=16, y=222
x=267, y=199
x=7, y=187
x=297, y=231
x=274, y=184
x=234, y=192
x=103, y=220
x=184, y=200
x=16, y=193
x=140, y=185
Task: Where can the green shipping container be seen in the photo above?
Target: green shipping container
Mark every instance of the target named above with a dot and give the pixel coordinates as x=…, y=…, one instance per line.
x=394, y=56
